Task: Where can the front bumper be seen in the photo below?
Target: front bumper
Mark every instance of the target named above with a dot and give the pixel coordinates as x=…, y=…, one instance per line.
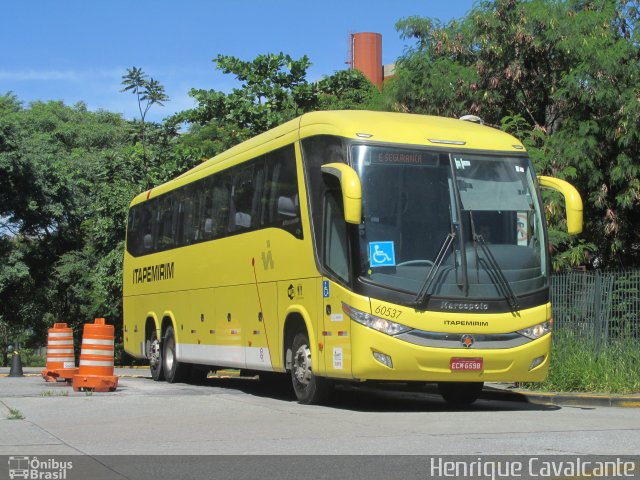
x=420, y=363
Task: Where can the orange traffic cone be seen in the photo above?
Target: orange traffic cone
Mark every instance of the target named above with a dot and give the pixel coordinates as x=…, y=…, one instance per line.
x=96, y=359
x=61, y=362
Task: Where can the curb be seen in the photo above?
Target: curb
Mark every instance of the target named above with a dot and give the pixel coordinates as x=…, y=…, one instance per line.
x=566, y=399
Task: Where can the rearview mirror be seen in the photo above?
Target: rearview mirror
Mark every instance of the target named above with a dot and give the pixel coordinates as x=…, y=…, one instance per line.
x=351, y=190
x=572, y=201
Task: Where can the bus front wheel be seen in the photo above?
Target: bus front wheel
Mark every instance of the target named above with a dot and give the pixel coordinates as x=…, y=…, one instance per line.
x=174, y=371
x=309, y=388
x=460, y=393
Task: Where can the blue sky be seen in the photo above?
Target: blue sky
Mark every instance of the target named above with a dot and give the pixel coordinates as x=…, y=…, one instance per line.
x=79, y=50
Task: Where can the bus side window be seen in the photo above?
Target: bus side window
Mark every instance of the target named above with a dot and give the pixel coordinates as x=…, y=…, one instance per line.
x=187, y=219
x=336, y=253
x=133, y=230
x=165, y=225
x=205, y=220
x=242, y=198
x=139, y=239
x=221, y=199
x=281, y=199
x=148, y=227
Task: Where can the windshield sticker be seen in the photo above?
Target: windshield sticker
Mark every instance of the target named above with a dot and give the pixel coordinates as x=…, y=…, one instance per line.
x=519, y=169
x=462, y=164
x=521, y=229
x=382, y=254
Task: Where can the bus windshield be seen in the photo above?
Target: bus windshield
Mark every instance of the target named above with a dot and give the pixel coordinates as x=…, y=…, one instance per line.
x=449, y=224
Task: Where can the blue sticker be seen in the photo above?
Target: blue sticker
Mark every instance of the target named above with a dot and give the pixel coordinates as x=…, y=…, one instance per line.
x=325, y=288
x=382, y=254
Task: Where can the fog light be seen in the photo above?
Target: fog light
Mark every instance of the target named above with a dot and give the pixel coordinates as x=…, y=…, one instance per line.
x=536, y=362
x=383, y=359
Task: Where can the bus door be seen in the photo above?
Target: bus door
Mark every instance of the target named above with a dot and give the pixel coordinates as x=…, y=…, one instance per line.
x=336, y=333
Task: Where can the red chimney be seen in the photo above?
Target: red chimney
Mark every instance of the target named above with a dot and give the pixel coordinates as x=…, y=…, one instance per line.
x=366, y=51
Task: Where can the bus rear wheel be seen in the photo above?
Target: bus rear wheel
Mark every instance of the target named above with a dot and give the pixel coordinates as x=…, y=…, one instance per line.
x=154, y=354
x=308, y=387
x=174, y=371
x=460, y=393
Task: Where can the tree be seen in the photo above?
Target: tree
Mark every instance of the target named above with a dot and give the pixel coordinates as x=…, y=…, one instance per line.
x=67, y=176
x=148, y=92
x=348, y=90
x=563, y=77
x=49, y=161
x=273, y=89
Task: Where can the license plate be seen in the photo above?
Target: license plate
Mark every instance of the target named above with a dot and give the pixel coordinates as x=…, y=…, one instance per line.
x=466, y=364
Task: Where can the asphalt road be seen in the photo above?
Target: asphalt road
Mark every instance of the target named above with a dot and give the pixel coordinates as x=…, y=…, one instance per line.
x=243, y=416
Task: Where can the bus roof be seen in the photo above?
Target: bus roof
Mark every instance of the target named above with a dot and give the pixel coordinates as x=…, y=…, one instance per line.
x=386, y=127
x=424, y=130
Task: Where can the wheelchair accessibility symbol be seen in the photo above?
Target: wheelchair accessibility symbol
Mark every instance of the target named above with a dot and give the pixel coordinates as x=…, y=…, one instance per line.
x=382, y=254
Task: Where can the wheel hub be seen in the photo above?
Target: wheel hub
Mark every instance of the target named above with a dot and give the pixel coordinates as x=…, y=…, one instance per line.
x=169, y=354
x=302, y=365
x=154, y=353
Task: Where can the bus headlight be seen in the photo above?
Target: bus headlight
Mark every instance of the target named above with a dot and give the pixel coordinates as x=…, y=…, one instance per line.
x=380, y=324
x=536, y=331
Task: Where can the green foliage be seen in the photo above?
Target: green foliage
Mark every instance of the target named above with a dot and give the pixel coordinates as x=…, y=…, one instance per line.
x=576, y=367
x=147, y=90
x=273, y=89
x=15, y=414
x=67, y=176
x=562, y=77
x=30, y=358
x=347, y=90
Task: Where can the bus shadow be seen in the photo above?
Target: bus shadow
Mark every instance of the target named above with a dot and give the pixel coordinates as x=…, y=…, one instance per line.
x=382, y=398
x=420, y=399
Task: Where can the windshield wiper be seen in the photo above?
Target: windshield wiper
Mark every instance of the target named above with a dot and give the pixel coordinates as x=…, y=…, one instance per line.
x=496, y=274
x=423, y=295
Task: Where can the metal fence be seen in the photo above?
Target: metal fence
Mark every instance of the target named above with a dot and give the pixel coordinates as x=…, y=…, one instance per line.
x=597, y=306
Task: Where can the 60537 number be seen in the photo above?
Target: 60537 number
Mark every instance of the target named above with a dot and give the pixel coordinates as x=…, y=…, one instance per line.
x=388, y=312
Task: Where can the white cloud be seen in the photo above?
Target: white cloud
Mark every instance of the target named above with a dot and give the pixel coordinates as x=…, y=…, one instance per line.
x=53, y=75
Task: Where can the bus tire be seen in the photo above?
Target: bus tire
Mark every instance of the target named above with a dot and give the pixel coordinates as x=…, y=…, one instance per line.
x=174, y=371
x=309, y=388
x=460, y=393
x=154, y=350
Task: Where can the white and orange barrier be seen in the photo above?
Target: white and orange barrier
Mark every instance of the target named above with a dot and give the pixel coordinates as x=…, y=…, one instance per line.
x=61, y=362
x=96, y=359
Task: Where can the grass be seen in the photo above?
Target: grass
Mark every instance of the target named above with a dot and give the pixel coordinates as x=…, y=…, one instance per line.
x=15, y=414
x=50, y=393
x=576, y=366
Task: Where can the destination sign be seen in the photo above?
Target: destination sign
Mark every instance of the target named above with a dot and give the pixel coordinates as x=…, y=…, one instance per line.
x=395, y=156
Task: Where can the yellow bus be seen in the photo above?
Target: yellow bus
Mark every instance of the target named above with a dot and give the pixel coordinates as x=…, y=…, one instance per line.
x=348, y=246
